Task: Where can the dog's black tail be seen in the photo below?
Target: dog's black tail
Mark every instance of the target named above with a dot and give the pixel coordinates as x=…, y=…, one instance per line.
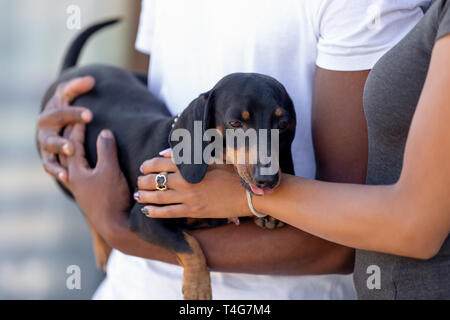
x=76, y=46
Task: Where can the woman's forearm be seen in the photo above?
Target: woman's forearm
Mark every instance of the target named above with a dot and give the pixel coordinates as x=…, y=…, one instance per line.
x=359, y=216
x=410, y=218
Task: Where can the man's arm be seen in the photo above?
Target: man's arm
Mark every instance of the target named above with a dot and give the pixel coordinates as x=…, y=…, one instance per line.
x=339, y=126
x=249, y=249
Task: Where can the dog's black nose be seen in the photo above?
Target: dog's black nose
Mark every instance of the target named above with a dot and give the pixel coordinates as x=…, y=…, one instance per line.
x=265, y=181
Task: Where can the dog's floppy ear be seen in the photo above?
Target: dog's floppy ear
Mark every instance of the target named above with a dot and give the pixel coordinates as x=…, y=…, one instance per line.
x=187, y=136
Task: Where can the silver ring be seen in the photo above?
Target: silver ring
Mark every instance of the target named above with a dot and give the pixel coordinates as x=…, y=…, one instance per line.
x=161, y=182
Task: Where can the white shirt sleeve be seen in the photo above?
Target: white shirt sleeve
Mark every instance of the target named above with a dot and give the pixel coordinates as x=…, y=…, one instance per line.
x=145, y=32
x=353, y=34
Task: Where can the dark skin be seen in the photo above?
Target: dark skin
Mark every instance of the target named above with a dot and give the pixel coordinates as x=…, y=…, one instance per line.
x=339, y=126
x=247, y=248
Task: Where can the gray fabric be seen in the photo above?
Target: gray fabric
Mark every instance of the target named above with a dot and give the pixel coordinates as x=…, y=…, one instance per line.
x=427, y=5
x=390, y=98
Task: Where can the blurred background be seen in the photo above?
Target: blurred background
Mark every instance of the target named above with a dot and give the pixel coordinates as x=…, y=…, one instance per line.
x=41, y=231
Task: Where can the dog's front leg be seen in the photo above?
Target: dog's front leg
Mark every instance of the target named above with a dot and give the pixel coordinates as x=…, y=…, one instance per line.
x=196, y=277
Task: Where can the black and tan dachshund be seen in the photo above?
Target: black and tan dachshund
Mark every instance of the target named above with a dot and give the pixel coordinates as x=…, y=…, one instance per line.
x=142, y=125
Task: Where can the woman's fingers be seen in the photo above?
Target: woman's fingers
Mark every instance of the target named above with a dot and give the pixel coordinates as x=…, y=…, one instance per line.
x=168, y=153
x=159, y=197
x=172, y=211
x=157, y=165
x=148, y=182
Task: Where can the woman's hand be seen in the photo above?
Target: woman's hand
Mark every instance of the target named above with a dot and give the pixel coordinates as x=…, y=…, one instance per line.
x=56, y=115
x=219, y=195
x=102, y=192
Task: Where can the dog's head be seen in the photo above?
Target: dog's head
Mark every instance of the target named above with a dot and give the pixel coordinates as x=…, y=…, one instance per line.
x=240, y=113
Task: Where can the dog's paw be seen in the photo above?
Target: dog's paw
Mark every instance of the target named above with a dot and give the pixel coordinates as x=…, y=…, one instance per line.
x=268, y=222
x=197, y=287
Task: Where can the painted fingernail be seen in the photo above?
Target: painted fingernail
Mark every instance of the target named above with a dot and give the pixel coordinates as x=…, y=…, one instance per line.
x=145, y=211
x=86, y=115
x=136, y=196
x=166, y=151
x=141, y=168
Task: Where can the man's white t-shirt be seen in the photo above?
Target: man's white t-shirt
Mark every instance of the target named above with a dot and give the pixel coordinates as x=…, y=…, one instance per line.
x=195, y=43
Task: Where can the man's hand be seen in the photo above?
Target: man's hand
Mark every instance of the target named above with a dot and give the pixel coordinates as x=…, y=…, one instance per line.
x=102, y=192
x=56, y=115
x=103, y=195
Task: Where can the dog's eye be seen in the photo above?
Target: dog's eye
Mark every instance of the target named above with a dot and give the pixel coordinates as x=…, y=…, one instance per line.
x=235, y=124
x=283, y=124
